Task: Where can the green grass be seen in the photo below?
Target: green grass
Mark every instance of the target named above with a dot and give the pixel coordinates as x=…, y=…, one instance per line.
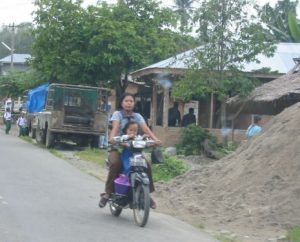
x=294, y=234
x=200, y=226
x=94, y=155
x=56, y=153
x=171, y=168
x=224, y=239
x=27, y=139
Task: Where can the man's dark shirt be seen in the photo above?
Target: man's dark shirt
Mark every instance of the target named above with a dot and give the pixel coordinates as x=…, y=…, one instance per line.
x=174, y=115
x=188, y=119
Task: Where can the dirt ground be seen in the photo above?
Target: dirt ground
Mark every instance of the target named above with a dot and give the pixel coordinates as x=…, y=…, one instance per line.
x=252, y=195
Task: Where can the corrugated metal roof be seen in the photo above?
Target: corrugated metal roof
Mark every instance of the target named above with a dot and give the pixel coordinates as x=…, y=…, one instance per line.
x=282, y=61
x=17, y=58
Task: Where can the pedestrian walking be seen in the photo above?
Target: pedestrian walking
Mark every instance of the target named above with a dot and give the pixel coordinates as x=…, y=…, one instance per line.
x=22, y=123
x=7, y=120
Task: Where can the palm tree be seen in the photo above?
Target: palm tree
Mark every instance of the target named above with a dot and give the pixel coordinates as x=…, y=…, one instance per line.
x=277, y=19
x=183, y=9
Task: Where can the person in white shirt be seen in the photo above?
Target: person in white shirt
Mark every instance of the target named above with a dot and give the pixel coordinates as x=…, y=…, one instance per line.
x=7, y=120
x=22, y=123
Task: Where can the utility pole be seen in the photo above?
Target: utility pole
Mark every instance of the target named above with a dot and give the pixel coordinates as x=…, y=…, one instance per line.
x=12, y=44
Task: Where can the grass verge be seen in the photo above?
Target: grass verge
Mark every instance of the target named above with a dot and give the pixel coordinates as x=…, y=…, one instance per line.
x=94, y=155
x=27, y=139
x=224, y=239
x=294, y=234
x=56, y=153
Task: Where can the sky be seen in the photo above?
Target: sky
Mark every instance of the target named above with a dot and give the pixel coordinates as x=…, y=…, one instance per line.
x=18, y=11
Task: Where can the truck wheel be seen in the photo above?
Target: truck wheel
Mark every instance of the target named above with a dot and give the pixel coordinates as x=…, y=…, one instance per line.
x=33, y=133
x=95, y=142
x=83, y=142
x=49, y=139
x=40, y=136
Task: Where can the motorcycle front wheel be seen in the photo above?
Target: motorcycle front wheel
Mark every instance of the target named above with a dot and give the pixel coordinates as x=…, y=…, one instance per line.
x=142, y=205
x=114, y=209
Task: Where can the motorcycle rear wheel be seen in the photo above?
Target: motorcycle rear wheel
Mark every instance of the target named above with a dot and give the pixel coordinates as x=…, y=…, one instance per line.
x=142, y=205
x=114, y=209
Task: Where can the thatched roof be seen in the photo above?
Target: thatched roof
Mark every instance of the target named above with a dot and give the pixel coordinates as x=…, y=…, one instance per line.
x=271, y=97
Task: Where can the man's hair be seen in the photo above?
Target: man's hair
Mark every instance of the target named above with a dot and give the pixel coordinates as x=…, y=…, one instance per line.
x=191, y=110
x=256, y=119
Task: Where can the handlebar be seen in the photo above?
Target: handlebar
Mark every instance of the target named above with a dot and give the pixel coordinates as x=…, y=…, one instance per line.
x=132, y=141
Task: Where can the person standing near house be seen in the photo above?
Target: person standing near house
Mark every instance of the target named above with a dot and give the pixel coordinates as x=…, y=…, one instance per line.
x=7, y=120
x=254, y=128
x=189, y=118
x=174, y=116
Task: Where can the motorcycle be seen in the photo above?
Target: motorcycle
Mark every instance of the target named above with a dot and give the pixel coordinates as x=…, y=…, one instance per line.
x=132, y=190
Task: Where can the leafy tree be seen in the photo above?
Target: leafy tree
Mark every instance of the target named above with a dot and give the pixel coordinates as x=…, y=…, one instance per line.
x=229, y=37
x=96, y=46
x=61, y=44
x=15, y=83
x=276, y=19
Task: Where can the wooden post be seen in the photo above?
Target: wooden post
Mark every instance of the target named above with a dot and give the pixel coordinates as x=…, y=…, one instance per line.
x=154, y=105
x=211, y=116
x=166, y=107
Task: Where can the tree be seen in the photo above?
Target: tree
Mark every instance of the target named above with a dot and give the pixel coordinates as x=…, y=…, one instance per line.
x=276, y=19
x=98, y=45
x=183, y=9
x=294, y=27
x=229, y=38
x=61, y=45
x=15, y=83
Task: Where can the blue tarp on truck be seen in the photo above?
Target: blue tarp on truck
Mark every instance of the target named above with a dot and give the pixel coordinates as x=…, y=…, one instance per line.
x=36, y=98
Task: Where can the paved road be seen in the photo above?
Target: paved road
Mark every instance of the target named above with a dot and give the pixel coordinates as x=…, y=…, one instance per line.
x=43, y=198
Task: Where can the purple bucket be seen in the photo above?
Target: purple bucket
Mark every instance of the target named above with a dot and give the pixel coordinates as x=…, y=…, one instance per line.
x=122, y=185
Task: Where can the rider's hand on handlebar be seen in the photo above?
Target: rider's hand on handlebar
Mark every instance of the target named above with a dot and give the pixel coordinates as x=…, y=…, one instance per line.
x=157, y=142
x=112, y=141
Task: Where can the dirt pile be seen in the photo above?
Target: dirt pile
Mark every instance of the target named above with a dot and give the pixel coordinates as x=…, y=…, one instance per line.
x=255, y=191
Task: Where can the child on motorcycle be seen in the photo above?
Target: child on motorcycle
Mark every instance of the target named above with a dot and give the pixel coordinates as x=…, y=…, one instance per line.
x=131, y=130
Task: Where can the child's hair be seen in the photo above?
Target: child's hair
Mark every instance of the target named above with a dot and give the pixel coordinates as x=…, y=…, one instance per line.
x=127, y=126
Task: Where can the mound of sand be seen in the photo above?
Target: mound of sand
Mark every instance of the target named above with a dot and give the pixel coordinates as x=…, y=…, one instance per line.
x=255, y=191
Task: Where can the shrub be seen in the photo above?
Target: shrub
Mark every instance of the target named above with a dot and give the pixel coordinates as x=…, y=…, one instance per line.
x=193, y=138
x=171, y=168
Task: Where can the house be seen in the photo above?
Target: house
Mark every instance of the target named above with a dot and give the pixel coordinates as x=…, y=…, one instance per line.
x=273, y=97
x=160, y=76
x=19, y=63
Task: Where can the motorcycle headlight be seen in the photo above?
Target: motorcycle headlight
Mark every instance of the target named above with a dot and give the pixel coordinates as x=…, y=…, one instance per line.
x=139, y=144
x=138, y=161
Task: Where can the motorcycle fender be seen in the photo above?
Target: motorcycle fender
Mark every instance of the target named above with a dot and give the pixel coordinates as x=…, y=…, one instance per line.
x=142, y=178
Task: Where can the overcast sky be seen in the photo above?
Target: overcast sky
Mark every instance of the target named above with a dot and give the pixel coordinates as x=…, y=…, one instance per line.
x=18, y=11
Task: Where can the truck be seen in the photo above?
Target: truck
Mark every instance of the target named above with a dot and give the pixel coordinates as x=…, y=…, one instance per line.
x=58, y=112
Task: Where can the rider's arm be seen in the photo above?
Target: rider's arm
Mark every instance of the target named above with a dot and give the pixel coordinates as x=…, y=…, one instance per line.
x=114, y=131
x=148, y=132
